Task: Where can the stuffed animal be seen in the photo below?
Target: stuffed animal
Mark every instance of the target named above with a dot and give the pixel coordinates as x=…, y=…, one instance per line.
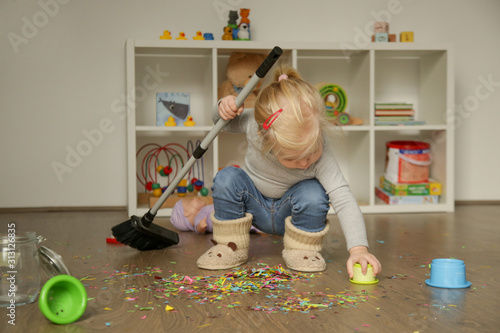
x=240, y=68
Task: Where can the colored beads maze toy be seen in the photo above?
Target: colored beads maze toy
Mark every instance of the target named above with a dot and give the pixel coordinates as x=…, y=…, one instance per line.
x=160, y=164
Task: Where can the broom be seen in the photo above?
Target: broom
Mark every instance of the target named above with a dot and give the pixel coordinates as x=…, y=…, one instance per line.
x=140, y=232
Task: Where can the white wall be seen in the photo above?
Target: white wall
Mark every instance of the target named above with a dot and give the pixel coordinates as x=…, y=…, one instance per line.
x=62, y=70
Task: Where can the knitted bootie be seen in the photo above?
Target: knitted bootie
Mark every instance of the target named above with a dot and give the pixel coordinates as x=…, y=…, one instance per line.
x=231, y=240
x=302, y=248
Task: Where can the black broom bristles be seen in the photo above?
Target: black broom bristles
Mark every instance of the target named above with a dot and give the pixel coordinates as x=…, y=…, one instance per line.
x=135, y=234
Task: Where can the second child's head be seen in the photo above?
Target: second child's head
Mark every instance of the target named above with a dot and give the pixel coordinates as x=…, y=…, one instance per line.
x=294, y=134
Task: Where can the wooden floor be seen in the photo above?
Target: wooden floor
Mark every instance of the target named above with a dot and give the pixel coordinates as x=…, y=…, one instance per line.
x=129, y=290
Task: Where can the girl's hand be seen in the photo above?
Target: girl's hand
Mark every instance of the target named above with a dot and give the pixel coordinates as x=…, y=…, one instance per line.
x=228, y=109
x=360, y=254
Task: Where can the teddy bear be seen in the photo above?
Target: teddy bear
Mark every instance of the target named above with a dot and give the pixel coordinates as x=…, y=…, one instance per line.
x=240, y=68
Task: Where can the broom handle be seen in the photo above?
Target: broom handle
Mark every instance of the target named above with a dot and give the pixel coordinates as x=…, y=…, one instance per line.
x=203, y=146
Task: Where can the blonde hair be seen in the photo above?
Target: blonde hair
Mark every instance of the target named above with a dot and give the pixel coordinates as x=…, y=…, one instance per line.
x=297, y=131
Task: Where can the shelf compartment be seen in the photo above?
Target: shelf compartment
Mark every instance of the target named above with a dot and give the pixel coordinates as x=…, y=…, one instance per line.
x=438, y=170
x=202, y=169
x=176, y=73
x=417, y=77
x=352, y=73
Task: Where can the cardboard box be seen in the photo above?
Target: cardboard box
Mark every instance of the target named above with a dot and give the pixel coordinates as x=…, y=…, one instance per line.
x=405, y=199
x=430, y=188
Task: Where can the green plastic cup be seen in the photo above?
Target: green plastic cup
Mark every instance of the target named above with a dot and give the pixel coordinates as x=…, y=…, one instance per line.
x=63, y=299
x=359, y=278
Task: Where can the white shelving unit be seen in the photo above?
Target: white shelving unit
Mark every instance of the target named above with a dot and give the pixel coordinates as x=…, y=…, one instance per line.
x=417, y=73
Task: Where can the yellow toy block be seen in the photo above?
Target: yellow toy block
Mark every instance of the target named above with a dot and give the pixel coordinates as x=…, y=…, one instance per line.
x=406, y=37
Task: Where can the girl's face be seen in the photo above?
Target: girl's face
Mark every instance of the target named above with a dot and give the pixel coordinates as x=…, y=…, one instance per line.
x=301, y=163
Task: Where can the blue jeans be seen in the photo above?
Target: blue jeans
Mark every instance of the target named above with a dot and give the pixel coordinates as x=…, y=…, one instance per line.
x=235, y=194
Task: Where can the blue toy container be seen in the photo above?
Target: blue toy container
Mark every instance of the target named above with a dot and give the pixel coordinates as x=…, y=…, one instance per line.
x=448, y=273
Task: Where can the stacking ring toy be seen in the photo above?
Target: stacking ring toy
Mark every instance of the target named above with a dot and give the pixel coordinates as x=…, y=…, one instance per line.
x=334, y=97
x=63, y=299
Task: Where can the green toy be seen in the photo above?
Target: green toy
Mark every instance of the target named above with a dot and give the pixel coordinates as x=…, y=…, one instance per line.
x=335, y=99
x=63, y=299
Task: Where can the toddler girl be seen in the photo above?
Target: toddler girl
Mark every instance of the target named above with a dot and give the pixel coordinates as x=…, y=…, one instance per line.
x=289, y=178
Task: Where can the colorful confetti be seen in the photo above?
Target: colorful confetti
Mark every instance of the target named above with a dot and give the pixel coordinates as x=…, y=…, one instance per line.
x=275, y=282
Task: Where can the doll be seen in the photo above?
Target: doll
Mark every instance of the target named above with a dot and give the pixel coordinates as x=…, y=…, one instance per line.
x=194, y=215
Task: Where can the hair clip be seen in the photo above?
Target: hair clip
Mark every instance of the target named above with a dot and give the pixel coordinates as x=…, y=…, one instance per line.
x=269, y=121
x=282, y=77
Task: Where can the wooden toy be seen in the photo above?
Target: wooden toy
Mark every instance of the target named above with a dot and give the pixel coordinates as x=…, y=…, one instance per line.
x=166, y=35
x=381, y=27
x=161, y=163
x=182, y=188
x=381, y=37
x=392, y=38
x=406, y=37
x=335, y=99
x=156, y=190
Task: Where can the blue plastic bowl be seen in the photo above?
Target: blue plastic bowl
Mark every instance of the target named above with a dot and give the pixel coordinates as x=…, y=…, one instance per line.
x=448, y=273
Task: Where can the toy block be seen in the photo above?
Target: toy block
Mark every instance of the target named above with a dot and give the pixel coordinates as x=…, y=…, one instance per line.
x=406, y=37
x=392, y=38
x=381, y=27
x=381, y=37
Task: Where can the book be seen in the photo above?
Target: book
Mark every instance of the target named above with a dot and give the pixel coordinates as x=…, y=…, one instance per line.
x=394, y=112
x=392, y=106
x=394, y=118
x=431, y=187
x=400, y=122
x=172, y=107
x=391, y=199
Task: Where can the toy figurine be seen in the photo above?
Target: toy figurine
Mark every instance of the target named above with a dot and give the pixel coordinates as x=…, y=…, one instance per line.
x=228, y=33
x=182, y=36
x=166, y=35
x=189, y=122
x=233, y=17
x=170, y=122
x=243, y=31
x=244, y=12
x=199, y=36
